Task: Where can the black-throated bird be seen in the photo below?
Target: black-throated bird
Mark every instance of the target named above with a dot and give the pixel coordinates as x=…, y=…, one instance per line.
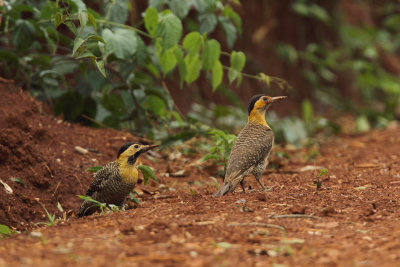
x=250, y=152
x=113, y=183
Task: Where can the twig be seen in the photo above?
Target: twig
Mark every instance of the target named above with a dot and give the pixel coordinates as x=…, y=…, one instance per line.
x=147, y=213
x=265, y=225
x=294, y=216
x=48, y=169
x=125, y=26
x=157, y=258
x=56, y=188
x=94, y=121
x=175, y=106
x=5, y=80
x=79, y=181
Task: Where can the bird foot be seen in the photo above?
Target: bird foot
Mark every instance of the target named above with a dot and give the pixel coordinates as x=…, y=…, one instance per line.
x=267, y=189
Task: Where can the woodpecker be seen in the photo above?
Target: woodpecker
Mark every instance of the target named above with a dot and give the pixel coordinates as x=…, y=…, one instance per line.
x=249, y=154
x=113, y=183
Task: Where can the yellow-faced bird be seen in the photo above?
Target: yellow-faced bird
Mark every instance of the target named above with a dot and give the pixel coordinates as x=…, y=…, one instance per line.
x=113, y=183
x=250, y=152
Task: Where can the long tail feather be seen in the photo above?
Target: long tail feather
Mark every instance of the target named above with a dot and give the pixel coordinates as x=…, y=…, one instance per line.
x=86, y=209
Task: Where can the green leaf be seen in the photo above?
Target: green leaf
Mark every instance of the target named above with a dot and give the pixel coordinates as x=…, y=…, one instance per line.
x=151, y=20
x=4, y=230
x=307, y=111
x=238, y=60
x=323, y=172
x=59, y=207
x=78, y=42
x=181, y=64
x=87, y=54
x=94, y=169
x=300, y=8
x=211, y=53
x=209, y=156
x=156, y=105
x=193, y=68
x=168, y=60
x=217, y=75
x=192, y=42
x=265, y=78
x=207, y=23
x=23, y=34
x=79, y=4
x=169, y=29
x=122, y=42
x=18, y=180
x=133, y=198
x=232, y=75
x=230, y=13
x=157, y=3
x=179, y=7
x=362, y=124
x=229, y=29
x=118, y=11
x=92, y=20
x=141, y=51
x=147, y=172
x=71, y=27
x=113, y=103
x=83, y=19
x=59, y=18
x=91, y=200
x=47, y=11
x=100, y=66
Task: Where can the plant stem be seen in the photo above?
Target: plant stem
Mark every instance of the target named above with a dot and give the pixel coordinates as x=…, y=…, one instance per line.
x=124, y=26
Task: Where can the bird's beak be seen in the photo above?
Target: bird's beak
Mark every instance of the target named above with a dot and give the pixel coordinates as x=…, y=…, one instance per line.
x=276, y=98
x=147, y=148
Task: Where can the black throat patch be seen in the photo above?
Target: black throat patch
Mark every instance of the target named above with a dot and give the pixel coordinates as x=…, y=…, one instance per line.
x=132, y=159
x=252, y=102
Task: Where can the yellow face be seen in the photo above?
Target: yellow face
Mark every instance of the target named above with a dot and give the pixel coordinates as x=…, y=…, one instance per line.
x=129, y=153
x=262, y=104
x=257, y=112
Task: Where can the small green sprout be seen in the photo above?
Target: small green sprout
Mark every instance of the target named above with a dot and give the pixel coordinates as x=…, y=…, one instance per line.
x=52, y=218
x=133, y=198
x=318, y=182
x=4, y=231
x=94, y=169
x=18, y=180
x=96, y=203
x=323, y=172
x=219, y=153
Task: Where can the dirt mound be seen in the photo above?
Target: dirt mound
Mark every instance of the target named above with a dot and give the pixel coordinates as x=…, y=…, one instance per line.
x=38, y=149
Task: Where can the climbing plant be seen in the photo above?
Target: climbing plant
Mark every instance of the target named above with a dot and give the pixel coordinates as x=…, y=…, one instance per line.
x=95, y=63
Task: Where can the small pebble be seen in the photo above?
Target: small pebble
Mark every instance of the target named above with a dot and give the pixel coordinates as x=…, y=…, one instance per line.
x=36, y=234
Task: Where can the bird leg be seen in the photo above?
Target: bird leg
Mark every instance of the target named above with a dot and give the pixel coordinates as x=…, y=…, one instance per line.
x=258, y=178
x=242, y=185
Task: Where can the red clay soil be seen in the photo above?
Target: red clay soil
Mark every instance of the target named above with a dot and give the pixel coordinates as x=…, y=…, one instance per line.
x=351, y=220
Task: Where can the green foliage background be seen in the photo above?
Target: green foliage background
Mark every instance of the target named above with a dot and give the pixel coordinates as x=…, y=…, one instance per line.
x=85, y=60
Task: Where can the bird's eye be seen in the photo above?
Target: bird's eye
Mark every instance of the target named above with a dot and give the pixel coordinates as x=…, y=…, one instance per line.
x=264, y=98
x=136, y=146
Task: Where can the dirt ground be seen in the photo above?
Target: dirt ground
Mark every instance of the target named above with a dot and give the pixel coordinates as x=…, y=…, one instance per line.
x=351, y=220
